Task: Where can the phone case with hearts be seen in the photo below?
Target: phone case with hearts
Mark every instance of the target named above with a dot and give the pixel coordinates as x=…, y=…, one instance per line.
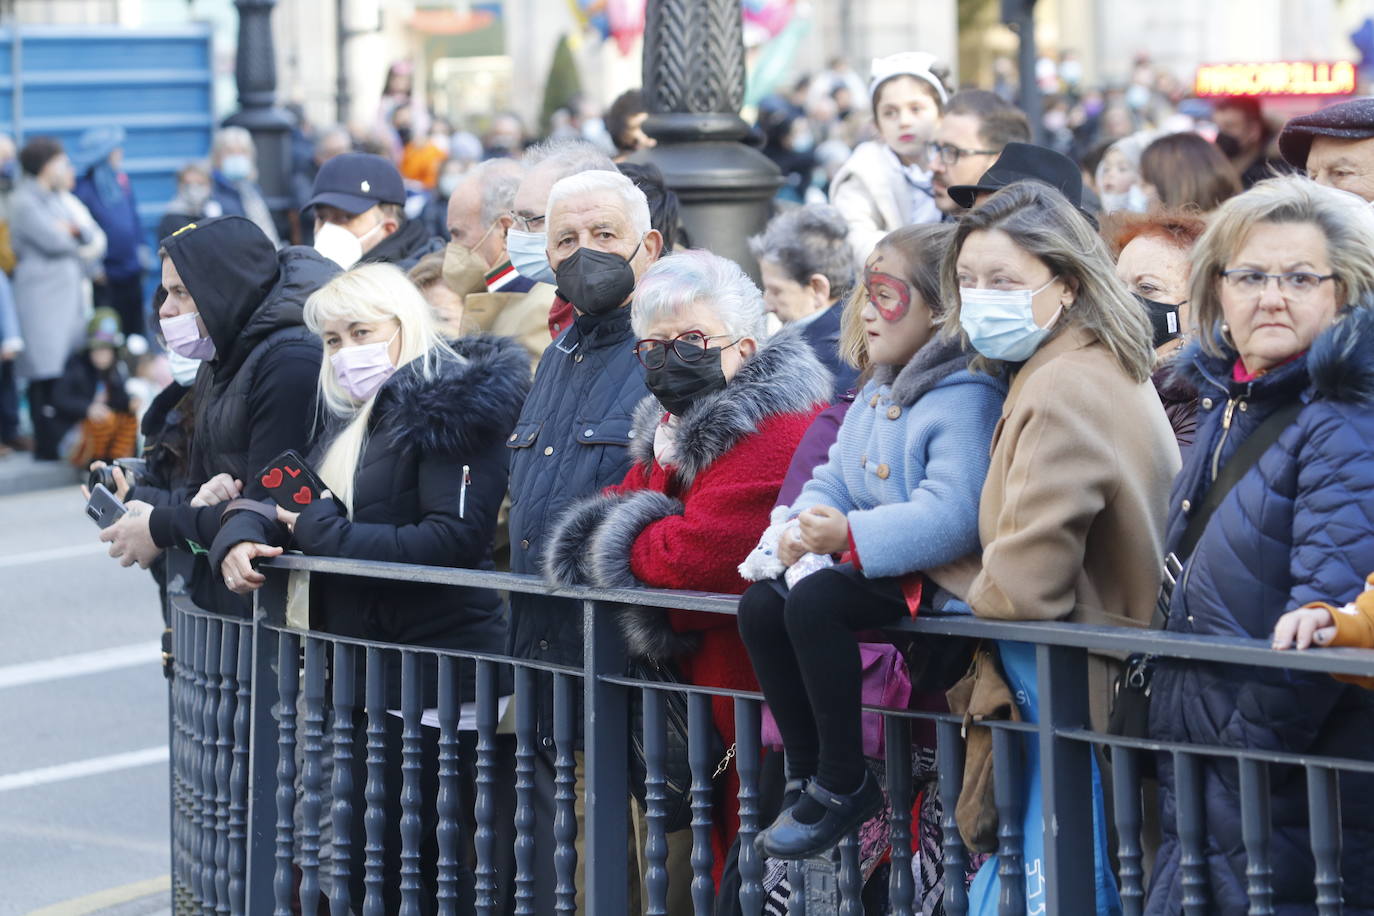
x=290, y=481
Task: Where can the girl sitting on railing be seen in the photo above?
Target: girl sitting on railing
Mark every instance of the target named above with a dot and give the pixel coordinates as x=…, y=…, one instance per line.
x=898, y=495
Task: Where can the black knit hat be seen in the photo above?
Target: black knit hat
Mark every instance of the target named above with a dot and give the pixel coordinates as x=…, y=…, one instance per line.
x=1352, y=120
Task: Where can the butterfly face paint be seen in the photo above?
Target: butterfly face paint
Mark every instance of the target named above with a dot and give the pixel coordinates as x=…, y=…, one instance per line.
x=888, y=294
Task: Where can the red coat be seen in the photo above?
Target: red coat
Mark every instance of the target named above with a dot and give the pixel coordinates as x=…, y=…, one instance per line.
x=689, y=526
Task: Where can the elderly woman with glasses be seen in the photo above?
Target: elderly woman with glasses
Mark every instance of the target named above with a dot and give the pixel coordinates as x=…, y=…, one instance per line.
x=1283, y=358
x=711, y=446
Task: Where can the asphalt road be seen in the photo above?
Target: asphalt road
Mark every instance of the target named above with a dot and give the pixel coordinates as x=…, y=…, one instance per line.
x=83, y=711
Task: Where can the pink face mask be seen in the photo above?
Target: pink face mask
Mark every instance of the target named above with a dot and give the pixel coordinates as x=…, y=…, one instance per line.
x=361, y=370
x=183, y=337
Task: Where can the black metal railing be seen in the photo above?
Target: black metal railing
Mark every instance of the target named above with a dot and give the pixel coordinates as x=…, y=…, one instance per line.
x=260, y=712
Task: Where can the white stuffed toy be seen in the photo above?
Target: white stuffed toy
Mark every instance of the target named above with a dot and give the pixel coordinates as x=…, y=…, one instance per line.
x=763, y=561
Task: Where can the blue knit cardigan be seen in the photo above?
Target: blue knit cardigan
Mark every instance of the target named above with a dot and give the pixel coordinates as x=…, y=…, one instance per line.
x=909, y=463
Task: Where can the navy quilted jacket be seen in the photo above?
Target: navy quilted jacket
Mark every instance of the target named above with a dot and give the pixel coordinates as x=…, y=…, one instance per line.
x=1298, y=527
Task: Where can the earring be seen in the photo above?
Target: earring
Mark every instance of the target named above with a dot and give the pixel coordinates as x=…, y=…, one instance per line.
x=1226, y=335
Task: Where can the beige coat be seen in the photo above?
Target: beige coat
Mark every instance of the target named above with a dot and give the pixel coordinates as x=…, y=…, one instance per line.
x=524, y=316
x=1073, y=512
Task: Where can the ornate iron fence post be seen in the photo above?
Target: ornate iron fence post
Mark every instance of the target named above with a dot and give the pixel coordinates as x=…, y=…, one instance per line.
x=255, y=72
x=694, y=87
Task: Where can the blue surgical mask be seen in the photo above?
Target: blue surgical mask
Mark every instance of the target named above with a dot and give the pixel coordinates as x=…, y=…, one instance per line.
x=529, y=255
x=1000, y=324
x=236, y=167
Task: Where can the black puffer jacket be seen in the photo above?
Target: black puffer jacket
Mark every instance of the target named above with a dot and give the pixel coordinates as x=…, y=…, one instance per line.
x=249, y=407
x=572, y=441
x=409, y=504
x=406, y=246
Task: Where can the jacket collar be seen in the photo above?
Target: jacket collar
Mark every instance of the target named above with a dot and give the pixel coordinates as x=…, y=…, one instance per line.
x=784, y=376
x=1069, y=339
x=940, y=358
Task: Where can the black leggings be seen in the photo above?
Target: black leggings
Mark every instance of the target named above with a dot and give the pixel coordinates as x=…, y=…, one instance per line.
x=807, y=661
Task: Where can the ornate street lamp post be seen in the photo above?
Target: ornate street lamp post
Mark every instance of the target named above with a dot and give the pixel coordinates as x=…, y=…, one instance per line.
x=255, y=72
x=694, y=87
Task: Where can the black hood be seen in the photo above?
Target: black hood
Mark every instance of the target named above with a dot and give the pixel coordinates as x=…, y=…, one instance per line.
x=243, y=288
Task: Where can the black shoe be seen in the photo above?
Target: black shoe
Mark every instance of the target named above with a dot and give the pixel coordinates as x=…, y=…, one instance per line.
x=791, y=793
x=788, y=838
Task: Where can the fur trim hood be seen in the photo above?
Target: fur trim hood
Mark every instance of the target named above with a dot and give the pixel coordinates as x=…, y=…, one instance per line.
x=466, y=405
x=784, y=376
x=1338, y=367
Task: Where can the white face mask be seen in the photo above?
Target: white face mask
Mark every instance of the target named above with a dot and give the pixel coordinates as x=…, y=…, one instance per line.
x=1000, y=323
x=341, y=246
x=183, y=368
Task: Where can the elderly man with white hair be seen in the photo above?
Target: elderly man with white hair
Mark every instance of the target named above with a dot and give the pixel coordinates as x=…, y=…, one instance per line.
x=573, y=437
x=711, y=446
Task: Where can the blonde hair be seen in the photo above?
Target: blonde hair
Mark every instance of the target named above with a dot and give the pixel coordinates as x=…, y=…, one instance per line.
x=1041, y=221
x=1343, y=219
x=372, y=293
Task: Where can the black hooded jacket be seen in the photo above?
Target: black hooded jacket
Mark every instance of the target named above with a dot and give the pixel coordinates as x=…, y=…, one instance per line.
x=413, y=503
x=249, y=403
x=406, y=246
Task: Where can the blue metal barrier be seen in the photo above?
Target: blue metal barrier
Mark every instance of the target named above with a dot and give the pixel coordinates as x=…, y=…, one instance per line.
x=241, y=753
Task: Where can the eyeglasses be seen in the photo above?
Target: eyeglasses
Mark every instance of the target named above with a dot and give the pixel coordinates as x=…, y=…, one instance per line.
x=528, y=223
x=950, y=154
x=1292, y=285
x=690, y=346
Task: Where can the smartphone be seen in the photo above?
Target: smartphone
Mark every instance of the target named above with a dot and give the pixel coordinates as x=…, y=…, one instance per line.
x=290, y=482
x=104, y=508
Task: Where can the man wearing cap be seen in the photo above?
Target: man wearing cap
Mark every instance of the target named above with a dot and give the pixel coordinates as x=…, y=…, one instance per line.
x=359, y=207
x=1335, y=146
x=106, y=191
x=1026, y=162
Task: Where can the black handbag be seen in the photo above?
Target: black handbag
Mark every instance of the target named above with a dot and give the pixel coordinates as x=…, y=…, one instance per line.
x=677, y=765
x=1130, y=709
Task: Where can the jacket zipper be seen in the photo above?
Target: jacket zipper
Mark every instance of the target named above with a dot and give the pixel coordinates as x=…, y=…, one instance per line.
x=1225, y=433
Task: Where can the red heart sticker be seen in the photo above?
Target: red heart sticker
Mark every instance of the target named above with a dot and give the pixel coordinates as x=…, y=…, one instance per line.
x=272, y=478
x=294, y=472
x=302, y=495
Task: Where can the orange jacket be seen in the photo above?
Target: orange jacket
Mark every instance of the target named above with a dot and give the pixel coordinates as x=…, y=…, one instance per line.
x=1354, y=628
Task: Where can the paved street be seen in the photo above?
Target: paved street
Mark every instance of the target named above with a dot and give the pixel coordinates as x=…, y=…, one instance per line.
x=83, y=714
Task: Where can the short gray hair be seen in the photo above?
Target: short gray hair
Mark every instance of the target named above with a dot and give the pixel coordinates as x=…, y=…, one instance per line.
x=698, y=277
x=1344, y=220
x=566, y=157
x=499, y=179
x=231, y=136
x=605, y=184
x=806, y=241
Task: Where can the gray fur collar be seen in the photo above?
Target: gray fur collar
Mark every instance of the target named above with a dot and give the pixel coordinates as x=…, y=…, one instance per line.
x=940, y=358
x=783, y=377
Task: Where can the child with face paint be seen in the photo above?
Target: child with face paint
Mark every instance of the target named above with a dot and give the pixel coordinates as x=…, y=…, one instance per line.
x=898, y=495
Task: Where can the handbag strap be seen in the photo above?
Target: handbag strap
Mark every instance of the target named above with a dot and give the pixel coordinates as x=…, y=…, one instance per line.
x=1244, y=458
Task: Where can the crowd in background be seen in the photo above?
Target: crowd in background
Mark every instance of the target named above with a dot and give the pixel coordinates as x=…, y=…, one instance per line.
x=982, y=375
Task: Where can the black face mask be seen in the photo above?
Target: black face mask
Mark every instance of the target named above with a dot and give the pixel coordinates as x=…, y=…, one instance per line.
x=1163, y=320
x=596, y=282
x=1229, y=145
x=679, y=384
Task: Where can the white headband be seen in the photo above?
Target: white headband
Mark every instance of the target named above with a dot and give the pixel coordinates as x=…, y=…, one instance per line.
x=906, y=63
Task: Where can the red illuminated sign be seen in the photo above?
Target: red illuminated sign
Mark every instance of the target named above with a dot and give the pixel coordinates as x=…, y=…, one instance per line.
x=1277, y=78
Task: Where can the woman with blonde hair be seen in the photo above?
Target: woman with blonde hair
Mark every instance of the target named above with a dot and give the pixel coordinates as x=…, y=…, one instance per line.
x=414, y=458
x=1072, y=514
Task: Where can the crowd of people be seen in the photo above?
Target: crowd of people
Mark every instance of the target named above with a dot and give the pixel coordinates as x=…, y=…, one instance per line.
x=982, y=377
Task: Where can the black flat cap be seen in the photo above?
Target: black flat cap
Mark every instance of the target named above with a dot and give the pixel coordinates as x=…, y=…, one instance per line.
x=1020, y=162
x=1352, y=120
x=354, y=182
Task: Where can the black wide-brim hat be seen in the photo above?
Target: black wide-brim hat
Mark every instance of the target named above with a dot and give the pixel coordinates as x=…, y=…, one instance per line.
x=1352, y=120
x=1022, y=162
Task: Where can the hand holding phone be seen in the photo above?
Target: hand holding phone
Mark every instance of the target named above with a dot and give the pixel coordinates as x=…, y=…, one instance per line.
x=290, y=482
x=103, y=508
